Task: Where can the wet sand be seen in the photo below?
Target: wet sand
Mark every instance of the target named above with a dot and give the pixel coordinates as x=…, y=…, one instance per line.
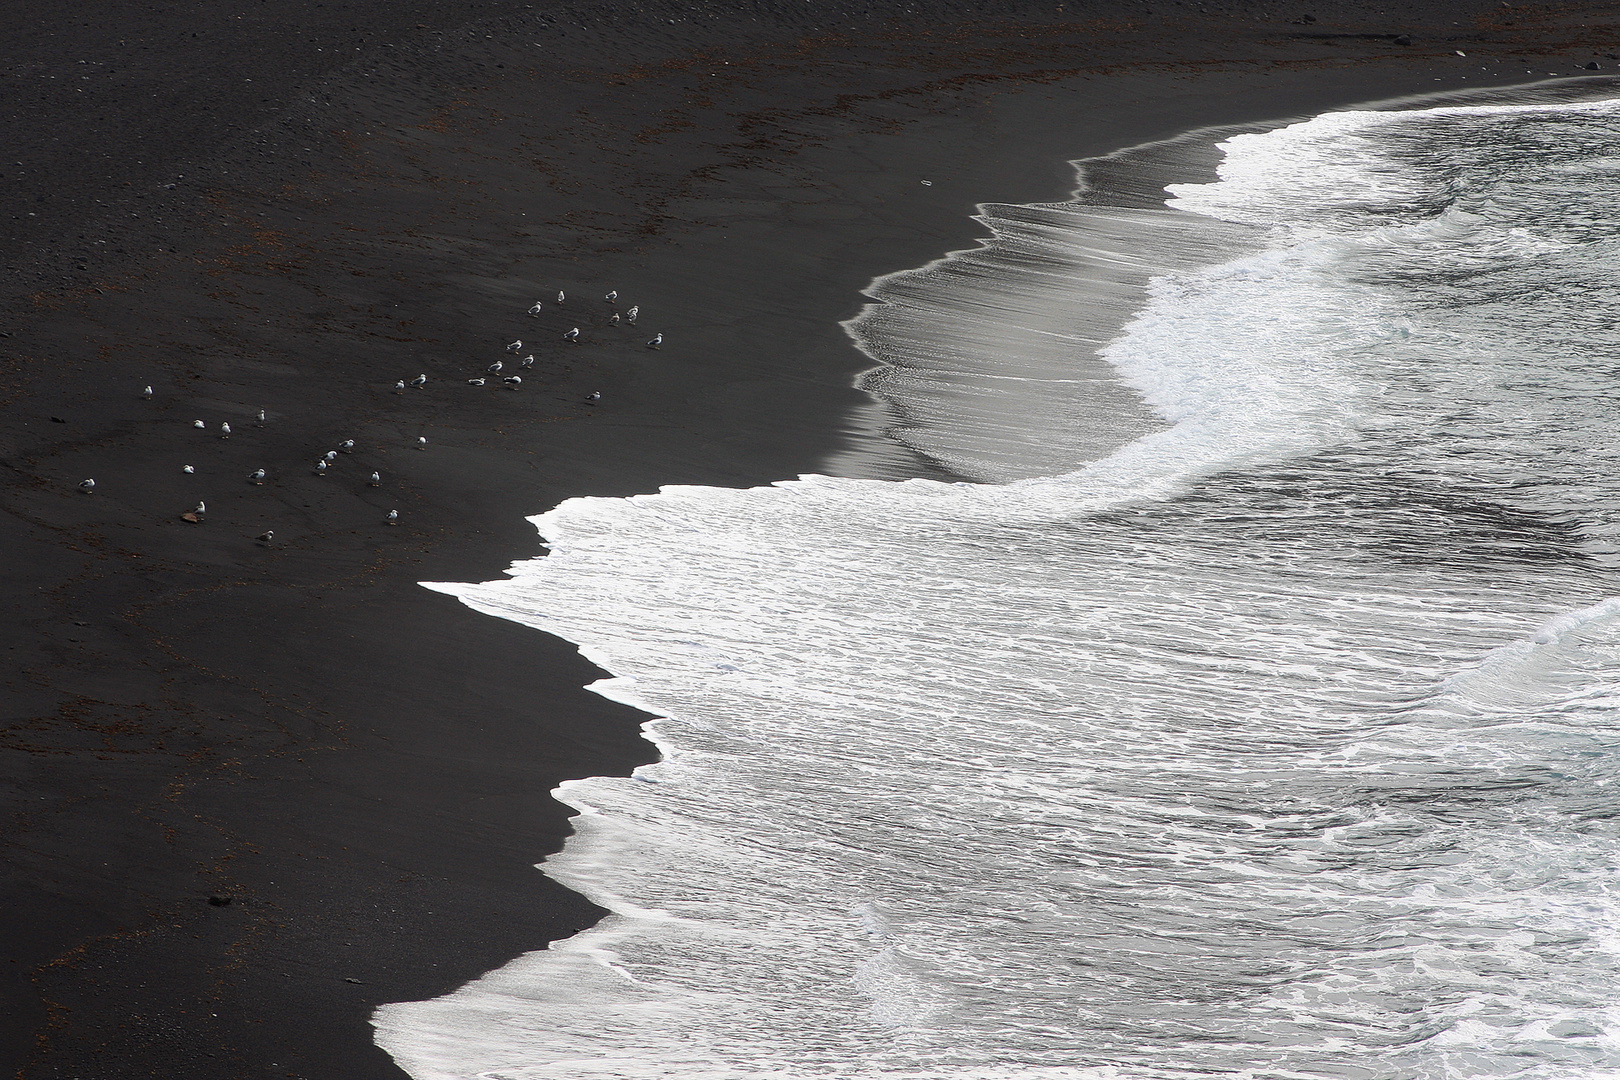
x=251, y=790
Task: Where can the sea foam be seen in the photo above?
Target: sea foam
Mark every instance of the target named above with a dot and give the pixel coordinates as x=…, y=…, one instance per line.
x=1274, y=742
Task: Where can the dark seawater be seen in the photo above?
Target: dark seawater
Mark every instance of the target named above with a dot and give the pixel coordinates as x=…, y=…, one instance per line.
x=1254, y=712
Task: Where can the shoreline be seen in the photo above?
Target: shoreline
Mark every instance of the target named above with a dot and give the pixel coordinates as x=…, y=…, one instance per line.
x=359, y=765
x=944, y=336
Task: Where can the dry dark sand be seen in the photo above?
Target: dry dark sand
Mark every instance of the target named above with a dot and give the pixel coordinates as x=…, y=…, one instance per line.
x=361, y=193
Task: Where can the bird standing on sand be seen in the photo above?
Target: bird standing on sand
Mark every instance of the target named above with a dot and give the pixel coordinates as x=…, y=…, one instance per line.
x=347, y=446
x=612, y=297
x=656, y=342
x=419, y=382
x=393, y=517
x=572, y=337
x=514, y=346
x=421, y=442
x=320, y=467
x=376, y=479
x=261, y=416
x=630, y=316
x=613, y=319
x=475, y=382
x=537, y=309
x=528, y=361
x=225, y=431
x=495, y=368
x=559, y=296
x=399, y=387
x=593, y=397
x=187, y=469
x=266, y=536
x=330, y=455
x=256, y=476
x=198, y=424
x=147, y=393
x=202, y=508
x=513, y=381
x=87, y=486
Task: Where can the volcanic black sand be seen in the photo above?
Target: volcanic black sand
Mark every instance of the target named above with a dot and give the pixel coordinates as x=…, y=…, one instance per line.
x=251, y=790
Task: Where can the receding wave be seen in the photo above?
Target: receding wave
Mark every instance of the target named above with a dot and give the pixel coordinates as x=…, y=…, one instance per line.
x=1267, y=732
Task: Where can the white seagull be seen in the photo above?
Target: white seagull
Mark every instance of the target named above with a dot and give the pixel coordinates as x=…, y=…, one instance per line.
x=612, y=297
x=393, y=517
x=256, y=476
x=147, y=393
x=202, y=508
x=613, y=319
x=657, y=340
x=593, y=397
x=198, y=424
x=376, y=479
x=421, y=442
x=513, y=381
x=572, y=336
x=266, y=536
x=475, y=382
x=347, y=446
x=187, y=469
x=537, y=309
x=495, y=368
x=419, y=382
x=630, y=316
x=320, y=467
x=514, y=346
x=399, y=387
x=87, y=486
x=225, y=431
x=331, y=455
x=559, y=296
x=261, y=416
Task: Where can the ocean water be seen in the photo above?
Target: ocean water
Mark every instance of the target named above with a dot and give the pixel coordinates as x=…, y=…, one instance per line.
x=1251, y=708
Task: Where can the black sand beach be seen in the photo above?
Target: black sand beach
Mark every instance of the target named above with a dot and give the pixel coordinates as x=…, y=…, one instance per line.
x=252, y=790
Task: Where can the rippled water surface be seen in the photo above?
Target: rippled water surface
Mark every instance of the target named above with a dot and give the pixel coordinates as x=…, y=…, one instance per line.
x=1252, y=712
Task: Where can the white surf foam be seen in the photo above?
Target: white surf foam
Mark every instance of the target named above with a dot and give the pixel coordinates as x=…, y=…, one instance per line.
x=1214, y=756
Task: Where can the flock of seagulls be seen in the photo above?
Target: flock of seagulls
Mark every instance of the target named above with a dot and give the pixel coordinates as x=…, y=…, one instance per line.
x=257, y=476
x=572, y=336
x=347, y=446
